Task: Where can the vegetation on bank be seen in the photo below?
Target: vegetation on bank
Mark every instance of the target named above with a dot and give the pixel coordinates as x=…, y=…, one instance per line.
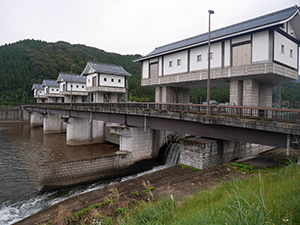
x=266, y=197
x=30, y=61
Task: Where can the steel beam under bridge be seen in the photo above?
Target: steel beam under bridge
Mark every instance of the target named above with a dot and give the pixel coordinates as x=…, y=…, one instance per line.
x=181, y=126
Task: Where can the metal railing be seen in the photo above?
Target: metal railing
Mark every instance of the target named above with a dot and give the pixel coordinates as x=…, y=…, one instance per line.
x=259, y=113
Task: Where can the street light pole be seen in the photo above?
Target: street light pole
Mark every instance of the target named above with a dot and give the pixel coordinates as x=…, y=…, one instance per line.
x=208, y=112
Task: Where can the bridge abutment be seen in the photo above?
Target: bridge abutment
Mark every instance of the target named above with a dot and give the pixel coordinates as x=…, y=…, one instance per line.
x=84, y=131
x=36, y=119
x=53, y=124
x=205, y=153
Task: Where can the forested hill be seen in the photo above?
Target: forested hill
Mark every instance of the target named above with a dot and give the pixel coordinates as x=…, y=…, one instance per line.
x=30, y=61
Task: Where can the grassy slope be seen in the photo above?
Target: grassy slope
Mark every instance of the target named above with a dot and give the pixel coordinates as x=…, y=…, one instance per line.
x=266, y=197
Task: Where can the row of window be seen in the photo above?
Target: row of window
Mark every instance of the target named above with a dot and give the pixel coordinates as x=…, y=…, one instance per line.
x=112, y=80
x=199, y=59
x=54, y=89
x=283, y=51
x=77, y=86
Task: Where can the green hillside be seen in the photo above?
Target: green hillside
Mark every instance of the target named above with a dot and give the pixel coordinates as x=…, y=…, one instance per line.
x=30, y=61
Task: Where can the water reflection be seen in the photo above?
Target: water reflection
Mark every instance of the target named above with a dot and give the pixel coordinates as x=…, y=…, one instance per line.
x=22, y=149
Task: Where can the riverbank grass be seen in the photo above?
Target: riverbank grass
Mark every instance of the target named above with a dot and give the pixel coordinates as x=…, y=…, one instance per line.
x=269, y=196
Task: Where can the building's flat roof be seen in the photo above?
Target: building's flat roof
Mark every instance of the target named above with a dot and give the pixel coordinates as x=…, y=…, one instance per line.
x=268, y=20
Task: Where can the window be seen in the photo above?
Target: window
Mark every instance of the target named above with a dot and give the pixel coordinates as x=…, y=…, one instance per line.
x=105, y=79
x=211, y=55
x=178, y=62
x=282, y=49
x=119, y=80
x=77, y=86
x=52, y=89
x=199, y=58
x=57, y=89
x=170, y=63
x=71, y=85
x=291, y=53
x=112, y=79
x=82, y=86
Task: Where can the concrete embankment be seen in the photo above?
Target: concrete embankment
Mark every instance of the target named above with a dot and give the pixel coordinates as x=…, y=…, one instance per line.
x=13, y=114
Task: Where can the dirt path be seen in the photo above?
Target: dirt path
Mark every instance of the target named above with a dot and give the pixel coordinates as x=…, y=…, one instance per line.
x=174, y=180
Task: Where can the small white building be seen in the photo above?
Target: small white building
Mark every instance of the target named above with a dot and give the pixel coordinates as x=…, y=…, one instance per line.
x=105, y=82
x=38, y=93
x=72, y=86
x=51, y=90
x=251, y=57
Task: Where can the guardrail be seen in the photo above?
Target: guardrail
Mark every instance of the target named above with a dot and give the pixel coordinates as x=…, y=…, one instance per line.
x=272, y=114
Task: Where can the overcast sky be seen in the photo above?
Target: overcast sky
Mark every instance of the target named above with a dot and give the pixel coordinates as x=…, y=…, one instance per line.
x=123, y=26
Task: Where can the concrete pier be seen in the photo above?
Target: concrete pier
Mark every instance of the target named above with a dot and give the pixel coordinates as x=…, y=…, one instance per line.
x=53, y=124
x=137, y=140
x=84, y=131
x=36, y=119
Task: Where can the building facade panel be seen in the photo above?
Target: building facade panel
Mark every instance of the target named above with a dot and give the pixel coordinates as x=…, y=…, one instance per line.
x=175, y=63
x=260, y=46
x=285, y=50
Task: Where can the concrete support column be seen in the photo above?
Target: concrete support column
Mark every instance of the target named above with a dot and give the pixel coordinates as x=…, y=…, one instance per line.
x=236, y=92
x=158, y=94
x=84, y=131
x=265, y=95
x=250, y=93
x=113, y=97
x=173, y=95
x=276, y=96
x=53, y=124
x=67, y=98
x=136, y=140
x=98, y=97
x=36, y=119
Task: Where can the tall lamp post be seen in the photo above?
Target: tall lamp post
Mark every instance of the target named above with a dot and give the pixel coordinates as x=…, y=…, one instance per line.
x=71, y=84
x=208, y=112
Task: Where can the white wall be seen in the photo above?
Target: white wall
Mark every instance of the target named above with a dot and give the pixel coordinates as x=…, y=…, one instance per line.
x=260, y=46
x=227, y=53
x=160, y=65
x=145, y=69
x=53, y=90
x=76, y=87
x=216, y=61
x=241, y=39
x=112, y=80
x=285, y=58
x=182, y=55
x=89, y=79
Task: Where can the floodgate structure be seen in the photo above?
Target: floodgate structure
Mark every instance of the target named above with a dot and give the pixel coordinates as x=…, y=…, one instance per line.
x=251, y=57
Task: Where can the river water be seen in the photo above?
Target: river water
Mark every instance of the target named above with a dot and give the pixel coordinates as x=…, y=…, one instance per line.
x=22, y=149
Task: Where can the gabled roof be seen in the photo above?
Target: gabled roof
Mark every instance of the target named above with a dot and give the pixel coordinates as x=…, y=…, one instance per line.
x=93, y=67
x=50, y=83
x=74, y=78
x=37, y=87
x=265, y=21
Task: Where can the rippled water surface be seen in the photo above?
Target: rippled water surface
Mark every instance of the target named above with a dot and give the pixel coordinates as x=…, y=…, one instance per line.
x=21, y=151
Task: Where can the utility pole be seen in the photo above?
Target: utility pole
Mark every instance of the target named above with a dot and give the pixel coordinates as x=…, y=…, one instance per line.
x=208, y=112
